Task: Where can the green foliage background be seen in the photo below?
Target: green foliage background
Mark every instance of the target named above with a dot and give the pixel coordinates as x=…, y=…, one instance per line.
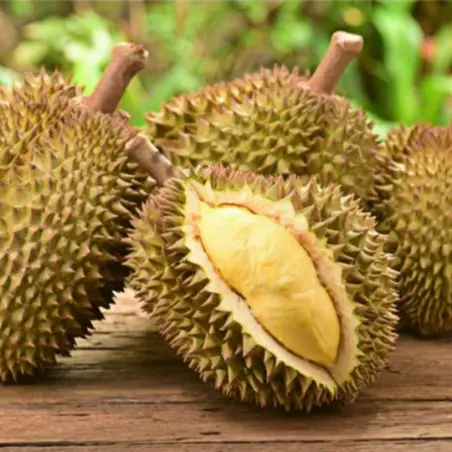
x=404, y=74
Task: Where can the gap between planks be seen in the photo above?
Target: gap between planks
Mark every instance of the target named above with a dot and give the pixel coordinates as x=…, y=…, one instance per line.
x=340, y=446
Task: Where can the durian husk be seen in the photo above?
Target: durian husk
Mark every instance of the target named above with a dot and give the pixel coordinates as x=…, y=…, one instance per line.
x=411, y=202
x=271, y=123
x=212, y=328
x=67, y=195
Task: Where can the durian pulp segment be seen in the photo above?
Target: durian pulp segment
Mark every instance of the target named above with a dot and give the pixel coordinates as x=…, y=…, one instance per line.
x=264, y=262
x=329, y=273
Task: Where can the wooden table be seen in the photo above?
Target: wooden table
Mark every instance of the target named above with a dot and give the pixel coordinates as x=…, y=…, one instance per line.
x=125, y=390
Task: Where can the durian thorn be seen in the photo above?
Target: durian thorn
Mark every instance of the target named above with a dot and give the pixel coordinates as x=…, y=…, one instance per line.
x=126, y=61
x=343, y=48
x=146, y=155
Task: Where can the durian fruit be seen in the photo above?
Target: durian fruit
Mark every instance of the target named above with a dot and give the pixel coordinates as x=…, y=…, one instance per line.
x=275, y=121
x=412, y=203
x=276, y=291
x=67, y=192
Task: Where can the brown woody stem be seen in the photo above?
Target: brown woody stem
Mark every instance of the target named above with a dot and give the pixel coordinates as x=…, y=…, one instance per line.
x=343, y=48
x=126, y=61
x=143, y=152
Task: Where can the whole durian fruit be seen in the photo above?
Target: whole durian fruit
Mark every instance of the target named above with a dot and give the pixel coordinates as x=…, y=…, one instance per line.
x=412, y=203
x=67, y=192
x=276, y=291
x=275, y=122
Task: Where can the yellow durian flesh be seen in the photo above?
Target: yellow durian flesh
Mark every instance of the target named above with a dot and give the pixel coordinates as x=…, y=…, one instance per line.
x=269, y=268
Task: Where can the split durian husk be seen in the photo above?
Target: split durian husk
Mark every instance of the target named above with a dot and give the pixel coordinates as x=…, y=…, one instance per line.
x=412, y=199
x=67, y=193
x=279, y=293
x=271, y=123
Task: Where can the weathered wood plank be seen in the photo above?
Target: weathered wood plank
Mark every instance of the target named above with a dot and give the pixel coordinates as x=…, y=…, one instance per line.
x=101, y=418
x=124, y=385
x=419, y=370
x=340, y=446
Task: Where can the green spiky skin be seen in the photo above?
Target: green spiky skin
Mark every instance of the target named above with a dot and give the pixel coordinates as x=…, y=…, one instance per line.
x=172, y=290
x=67, y=194
x=269, y=123
x=412, y=203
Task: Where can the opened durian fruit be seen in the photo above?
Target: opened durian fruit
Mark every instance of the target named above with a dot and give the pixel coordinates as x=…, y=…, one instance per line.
x=412, y=200
x=67, y=192
x=277, y=291
x=275, y=121
x=274, y=288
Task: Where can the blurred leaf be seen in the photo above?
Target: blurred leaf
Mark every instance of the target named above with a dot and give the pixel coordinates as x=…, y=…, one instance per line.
x=381, y=127
x=77, y=51
x=435, y=90
x=134, y=100
x=399, y=6
x=8, y=77
x=202, y=16
x=319, y=47
x=402, y=37
x=83, y=26
x=352, y=86
x=86, y=75
x=161, y=20
x=255, y=11
x=287, y=36
x=172, y=46
x=22, y=8
x=48, y=30
x=289, y=10
x=253, y=38
x=78, y=37
x=179, y=79
x=443, y=56
x=30, y=53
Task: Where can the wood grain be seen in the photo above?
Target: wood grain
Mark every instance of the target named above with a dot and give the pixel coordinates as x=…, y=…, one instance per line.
x=349, y=446
x=125, y=389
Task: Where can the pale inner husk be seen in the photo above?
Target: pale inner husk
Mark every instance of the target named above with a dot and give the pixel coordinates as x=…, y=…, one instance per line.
x=328, y=272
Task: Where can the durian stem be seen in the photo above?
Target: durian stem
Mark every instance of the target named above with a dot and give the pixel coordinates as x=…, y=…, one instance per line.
x=143, y=152
x=343, y=48
x=126, y=61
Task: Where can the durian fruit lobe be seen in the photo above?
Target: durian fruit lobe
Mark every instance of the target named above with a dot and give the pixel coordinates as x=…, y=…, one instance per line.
x=65, y=201
x=46, y=98
x=180, y=114
x=277, y=292
x=274, y=122
x=412, y=204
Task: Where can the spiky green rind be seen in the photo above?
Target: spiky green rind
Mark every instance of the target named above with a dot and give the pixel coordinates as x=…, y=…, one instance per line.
x=181, y=113
x=66, y=197
x=173, y=290
x=40, y=89
x=269, y=123
x=413, y=205
x=44, y=101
